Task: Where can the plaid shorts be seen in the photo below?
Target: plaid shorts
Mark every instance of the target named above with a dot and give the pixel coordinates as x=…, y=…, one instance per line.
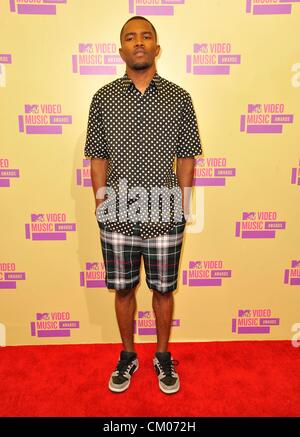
x=122, y=258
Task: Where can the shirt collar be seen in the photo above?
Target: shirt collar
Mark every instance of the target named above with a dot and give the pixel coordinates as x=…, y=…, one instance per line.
x=127, y=82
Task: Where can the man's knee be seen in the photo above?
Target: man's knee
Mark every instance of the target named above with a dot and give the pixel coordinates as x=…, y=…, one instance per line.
x=128, y=292
x=165, y=296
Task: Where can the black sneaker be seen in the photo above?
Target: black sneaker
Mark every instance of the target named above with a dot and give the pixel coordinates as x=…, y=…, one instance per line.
x=120, y=378
x=168, y=379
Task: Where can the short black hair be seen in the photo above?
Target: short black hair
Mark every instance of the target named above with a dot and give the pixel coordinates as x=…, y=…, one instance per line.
x=138, y=17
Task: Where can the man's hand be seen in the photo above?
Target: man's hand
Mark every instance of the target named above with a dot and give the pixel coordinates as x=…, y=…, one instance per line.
x=98, y=176
x=185, y=174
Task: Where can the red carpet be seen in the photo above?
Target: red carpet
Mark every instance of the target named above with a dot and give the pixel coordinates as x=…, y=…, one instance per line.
x=247, y=378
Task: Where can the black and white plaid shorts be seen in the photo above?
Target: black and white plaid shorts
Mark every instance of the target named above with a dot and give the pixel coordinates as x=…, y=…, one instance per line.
x=122, y=258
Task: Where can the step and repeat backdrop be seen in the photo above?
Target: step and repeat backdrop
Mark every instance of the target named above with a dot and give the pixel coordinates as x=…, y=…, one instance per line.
x=240, y=268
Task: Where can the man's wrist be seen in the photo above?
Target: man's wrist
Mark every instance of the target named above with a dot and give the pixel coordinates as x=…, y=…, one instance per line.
x=99, y=201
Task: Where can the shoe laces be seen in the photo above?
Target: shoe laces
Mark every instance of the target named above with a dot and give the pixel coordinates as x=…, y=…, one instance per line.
x=167, y=367
x=123, y=366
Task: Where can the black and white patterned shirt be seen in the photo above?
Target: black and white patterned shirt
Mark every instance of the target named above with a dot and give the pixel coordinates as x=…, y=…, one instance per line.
x=140, y=135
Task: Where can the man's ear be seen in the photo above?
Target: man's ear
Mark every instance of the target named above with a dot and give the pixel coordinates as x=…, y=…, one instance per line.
x=121, y=53
x=157, y=50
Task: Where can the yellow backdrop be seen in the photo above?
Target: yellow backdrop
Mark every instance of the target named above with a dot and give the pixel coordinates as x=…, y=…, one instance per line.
x=240, y=268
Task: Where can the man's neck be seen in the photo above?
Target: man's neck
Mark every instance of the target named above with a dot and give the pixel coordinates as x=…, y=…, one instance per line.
x=141, y=78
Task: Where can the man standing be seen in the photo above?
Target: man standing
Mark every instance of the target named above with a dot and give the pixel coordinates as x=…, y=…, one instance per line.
x=137, y=126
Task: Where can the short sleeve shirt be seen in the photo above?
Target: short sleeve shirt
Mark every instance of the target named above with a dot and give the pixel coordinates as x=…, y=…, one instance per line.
x=141, y=135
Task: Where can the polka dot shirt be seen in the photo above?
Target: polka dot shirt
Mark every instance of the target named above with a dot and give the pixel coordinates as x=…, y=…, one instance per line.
x=141, y=135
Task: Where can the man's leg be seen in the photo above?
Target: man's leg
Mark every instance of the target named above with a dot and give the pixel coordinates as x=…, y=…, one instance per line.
x=163, y=362
x=163, y=305
x=161, y=259
x=122, y=257
x=125, y=306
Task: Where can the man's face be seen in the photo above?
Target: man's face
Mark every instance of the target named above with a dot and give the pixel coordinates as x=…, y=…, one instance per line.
x=139, y=48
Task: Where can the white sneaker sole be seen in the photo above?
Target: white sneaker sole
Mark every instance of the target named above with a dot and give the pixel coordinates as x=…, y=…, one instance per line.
x=171, y=391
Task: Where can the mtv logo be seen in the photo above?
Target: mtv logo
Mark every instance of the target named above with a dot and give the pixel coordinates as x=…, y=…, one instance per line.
x=91, y=266
x=254, y=108
x=31, y=108
x=86, y=48
x=249, y=215
x=37, y=217
x=144, y=314
x=201, y=48
x=244, y=313
x=195, y=265
x=42, y=316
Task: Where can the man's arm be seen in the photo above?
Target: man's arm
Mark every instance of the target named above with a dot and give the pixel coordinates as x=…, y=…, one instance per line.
x=185, y=175
x=98, y=176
